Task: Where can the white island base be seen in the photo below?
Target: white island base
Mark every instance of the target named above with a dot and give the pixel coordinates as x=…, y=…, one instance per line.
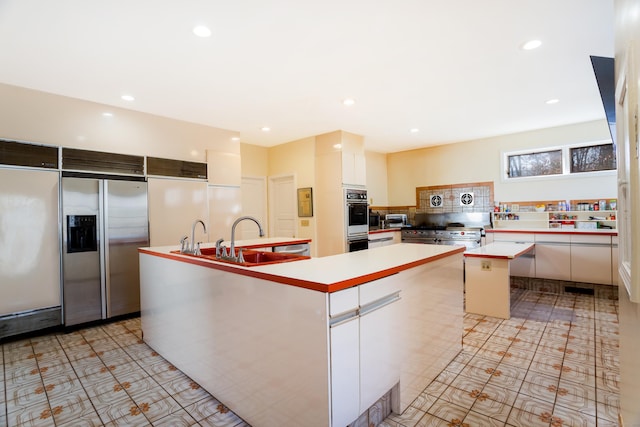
x=487, y=278
x=278, y=352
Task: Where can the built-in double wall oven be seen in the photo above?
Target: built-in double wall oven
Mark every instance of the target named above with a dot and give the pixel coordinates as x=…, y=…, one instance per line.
x=356, y=219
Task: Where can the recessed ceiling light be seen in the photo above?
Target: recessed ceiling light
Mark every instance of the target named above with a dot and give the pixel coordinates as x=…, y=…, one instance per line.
x=128, y=98
x=235, y=138
x=531, y=44
x=265, y=129
x=414, y=130
x=348, y=101
x=337, y=146
x=201, y=31
x=107, y=114
x=552, y=101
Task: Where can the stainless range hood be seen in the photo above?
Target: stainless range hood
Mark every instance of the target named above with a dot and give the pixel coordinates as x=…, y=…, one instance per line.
x=605, y=76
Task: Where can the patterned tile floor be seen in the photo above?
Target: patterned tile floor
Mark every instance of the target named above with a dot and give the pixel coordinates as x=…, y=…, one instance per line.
x=554, y=363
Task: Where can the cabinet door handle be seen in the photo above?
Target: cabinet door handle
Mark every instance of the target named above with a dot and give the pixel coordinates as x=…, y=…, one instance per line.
x=341, y=318
x=379, y=303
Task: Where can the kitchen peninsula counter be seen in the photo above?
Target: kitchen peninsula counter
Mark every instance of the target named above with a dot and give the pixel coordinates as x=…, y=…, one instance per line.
x=309, y=342
x=325, y=274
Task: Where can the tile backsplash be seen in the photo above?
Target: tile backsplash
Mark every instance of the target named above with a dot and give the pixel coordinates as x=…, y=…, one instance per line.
x=473, y=197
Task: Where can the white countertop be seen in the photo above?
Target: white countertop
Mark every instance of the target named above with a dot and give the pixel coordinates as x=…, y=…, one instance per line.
x=500, y=250
x=329, y=273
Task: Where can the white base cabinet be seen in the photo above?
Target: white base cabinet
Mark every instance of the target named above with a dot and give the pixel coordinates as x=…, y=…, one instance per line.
x=377, y=240
x=281, y=355
x=553, y=256
x=591, y=259
x=345, y=356
x=588, y=258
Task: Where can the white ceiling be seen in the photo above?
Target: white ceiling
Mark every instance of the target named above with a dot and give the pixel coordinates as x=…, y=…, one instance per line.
x=452, y=69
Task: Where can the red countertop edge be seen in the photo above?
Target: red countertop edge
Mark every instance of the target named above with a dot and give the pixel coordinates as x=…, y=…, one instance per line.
x=296, y=242
x=321, y=287
x=560, y=231
x=385, y=230
x=501, y=256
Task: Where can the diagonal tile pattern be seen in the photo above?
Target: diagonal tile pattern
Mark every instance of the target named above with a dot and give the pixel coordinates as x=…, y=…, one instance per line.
x=554, y=363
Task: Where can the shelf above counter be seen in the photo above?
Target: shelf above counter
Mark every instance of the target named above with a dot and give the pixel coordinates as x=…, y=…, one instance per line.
x=565, y=220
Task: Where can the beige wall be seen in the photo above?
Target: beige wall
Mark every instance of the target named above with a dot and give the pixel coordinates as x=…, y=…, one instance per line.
x=479, y=161
x=297, y=158
x=627, y=28
x=40, y=117
x=255, y=160
x=377, y=189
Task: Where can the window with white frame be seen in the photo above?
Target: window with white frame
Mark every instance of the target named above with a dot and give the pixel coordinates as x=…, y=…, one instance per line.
x=559, y=161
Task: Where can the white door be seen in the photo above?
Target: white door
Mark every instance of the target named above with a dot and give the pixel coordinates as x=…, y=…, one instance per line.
x=282, y=206
x=254, y=203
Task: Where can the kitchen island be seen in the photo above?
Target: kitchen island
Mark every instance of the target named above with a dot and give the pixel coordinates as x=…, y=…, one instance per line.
x=311, y=342
x=488, y=274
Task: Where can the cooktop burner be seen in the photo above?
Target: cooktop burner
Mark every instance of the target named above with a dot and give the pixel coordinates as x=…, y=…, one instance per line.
x=427, y=227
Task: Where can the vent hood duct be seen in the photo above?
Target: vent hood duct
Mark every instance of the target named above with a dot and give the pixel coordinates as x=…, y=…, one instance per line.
x=605, y=76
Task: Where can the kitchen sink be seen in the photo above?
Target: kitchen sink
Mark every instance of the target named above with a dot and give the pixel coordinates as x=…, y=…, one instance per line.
x=251, y=258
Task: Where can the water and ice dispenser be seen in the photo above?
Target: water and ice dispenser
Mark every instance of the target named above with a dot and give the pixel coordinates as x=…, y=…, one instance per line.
x=81, y=233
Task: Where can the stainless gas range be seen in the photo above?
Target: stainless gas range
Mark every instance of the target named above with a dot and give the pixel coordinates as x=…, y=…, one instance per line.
x=471, y=237
x=447, y=229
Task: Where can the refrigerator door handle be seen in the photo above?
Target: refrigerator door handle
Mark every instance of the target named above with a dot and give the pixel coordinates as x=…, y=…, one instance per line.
x=104, y=246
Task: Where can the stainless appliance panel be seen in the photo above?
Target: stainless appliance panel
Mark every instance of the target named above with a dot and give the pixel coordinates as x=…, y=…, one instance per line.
x=356, y=212
x=126, y=229
x=82, y=285
x=101, y=278
x=358, y=243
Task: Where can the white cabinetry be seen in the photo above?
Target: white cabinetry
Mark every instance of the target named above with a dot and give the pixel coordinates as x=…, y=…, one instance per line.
x=354, y=169
x=377, y=240
x=173, y=206
x=379, y=357
x=591, y=259
x=345, y=356
x=30, y=252
x=224, y=167
x=553, y=256
x=525, y=265
x=353, y=159
x=364, y=349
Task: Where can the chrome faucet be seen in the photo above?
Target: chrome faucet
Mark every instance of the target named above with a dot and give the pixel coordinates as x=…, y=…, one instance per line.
x=184, y=245
x=196, y=248
x=221, y=251
x=232, y=251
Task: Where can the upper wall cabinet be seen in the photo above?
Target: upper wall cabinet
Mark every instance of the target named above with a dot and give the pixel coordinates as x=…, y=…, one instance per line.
x=354, y=169
x=353, y=160
x=176, y=168
x=224, y=168
x=22, y=154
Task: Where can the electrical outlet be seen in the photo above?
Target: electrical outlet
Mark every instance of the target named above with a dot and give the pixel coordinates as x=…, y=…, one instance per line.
x=485, y=266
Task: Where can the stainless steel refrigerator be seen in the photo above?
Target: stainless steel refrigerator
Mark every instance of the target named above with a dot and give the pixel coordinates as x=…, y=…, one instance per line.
x=105, y=221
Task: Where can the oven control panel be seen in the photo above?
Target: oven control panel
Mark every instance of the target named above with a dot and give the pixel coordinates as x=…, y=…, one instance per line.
x=354, y=195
